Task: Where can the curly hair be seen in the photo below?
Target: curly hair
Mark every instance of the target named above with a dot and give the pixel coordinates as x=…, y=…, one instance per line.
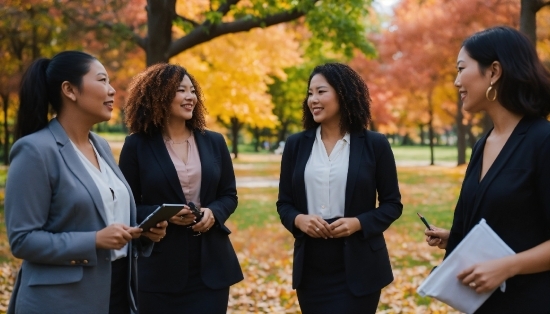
x=151, y=94
x=353, y=97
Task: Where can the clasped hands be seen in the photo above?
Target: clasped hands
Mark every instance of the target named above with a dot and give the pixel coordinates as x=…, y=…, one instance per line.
x=185, y=217
x=316, y=227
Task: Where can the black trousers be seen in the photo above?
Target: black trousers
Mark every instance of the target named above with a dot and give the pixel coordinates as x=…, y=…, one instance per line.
x=118, y=303
x=324, y=287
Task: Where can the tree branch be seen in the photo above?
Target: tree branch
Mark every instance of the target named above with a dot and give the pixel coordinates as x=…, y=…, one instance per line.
x=203, y=34
x=195, y=24
x=226, y=6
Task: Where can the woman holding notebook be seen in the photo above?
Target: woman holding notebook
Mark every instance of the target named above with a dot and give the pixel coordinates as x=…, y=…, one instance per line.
x=508, y=177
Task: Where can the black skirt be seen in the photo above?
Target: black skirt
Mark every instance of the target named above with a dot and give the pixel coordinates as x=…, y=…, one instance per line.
x=195, y=297
x=324, y=288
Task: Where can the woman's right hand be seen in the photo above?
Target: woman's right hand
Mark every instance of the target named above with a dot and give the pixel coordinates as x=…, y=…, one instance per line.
x=314, y=226
x=184, y=217
x=437, y=237
x=115, y=236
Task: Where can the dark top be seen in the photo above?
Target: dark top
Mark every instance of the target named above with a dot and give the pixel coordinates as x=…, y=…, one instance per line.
x=147, y=166
x=371, y=171
x=514, y=199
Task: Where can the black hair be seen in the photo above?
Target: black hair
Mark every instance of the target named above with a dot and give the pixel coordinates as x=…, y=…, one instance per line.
x=41, y=87
x=353, y=97
x=524, y=86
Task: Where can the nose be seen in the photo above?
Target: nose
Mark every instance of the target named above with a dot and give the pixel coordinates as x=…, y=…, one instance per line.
x=112, y=91
x=457, y=81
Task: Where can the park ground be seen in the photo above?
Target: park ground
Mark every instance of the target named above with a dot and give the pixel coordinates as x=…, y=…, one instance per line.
x=264, y=247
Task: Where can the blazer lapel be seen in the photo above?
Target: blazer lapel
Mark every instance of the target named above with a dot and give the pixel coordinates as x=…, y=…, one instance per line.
x=357, y=143
x=304, y=151
x=507, y=151
x=161, y=154
x=74, y=164
x=206, y=156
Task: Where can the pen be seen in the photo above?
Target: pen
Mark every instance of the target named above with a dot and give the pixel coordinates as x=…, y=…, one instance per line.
x=425, y=222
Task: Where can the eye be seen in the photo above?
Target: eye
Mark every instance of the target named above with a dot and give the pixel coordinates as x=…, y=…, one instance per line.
x=459, y=69
x=309, y=93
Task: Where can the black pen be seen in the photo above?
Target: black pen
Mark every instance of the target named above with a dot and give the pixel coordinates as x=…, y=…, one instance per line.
x=425, y=222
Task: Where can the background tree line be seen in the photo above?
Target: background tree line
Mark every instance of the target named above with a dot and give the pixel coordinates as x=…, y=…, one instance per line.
x=253, y=57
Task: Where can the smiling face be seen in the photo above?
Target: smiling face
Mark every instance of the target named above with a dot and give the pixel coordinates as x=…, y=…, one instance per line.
x=471, y=83
x=184, y=102
x=95, y=97
x=323, y=101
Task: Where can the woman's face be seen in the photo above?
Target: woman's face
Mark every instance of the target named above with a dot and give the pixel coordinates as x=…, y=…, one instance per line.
x=185, y=100
x=471, y=84
x=95, y=97
x=323, y=101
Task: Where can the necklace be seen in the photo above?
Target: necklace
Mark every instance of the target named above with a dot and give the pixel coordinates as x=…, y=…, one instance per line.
x=178, y=143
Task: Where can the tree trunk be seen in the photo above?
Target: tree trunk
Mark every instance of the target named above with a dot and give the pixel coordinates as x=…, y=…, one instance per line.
x=5, y=100
x=235, y=128
x=281, y=134
x=256, y=132
x=421, y=128
x=431, y=127
x=160, y=14
x=460, y=133
x=528, y=20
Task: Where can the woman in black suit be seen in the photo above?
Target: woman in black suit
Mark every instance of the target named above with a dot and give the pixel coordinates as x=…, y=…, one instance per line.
x=508, y=177
x=330, y=176
x=171, y=158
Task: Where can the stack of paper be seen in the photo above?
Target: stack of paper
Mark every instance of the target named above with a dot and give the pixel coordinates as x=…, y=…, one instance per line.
x=480, y=244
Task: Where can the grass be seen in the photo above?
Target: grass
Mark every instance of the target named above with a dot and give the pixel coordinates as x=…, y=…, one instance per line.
x=422, y=153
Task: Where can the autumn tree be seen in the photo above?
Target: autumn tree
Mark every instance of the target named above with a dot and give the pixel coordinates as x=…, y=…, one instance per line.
x=418, y=51
x=528, y=19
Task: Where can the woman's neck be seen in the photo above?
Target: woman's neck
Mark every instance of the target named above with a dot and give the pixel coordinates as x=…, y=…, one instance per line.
x=504, y=121
x=177, y=132
x=77, y=130
x=331, y=131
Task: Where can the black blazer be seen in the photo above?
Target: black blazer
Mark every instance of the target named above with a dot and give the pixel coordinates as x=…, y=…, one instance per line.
x=514, y=199
x=371, y=170
x=147, y=166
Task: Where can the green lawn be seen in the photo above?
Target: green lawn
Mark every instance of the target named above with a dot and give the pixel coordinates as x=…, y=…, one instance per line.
x=422, y=153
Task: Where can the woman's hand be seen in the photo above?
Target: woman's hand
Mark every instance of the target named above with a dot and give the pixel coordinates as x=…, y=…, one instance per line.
x=486, y=276
x=157, y=233
x=207, y=221
x=313, y=225
x=344, y=227
x=437, y=237
x=184, y=217
x=115, y=236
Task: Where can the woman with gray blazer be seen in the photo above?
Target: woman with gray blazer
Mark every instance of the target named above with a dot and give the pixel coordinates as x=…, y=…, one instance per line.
x=69, y=211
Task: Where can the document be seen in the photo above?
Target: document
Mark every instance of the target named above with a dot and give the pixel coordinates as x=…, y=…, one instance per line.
x=480, y=244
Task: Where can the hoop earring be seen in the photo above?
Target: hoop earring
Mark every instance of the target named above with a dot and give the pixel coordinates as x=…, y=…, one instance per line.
x=488, y=91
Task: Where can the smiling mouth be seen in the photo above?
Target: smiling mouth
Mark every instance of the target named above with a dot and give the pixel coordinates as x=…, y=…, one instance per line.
x=108, y=103
x=316, y=110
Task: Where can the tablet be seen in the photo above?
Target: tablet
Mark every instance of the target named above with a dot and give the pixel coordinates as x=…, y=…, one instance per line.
x=163, y=212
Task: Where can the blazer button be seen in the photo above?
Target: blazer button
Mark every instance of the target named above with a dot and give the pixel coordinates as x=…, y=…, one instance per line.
x=85, y=261
x=73, y=262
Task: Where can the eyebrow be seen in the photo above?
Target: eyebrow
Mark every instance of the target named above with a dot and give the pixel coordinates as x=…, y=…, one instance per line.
x=322, y=86
x=459, y=62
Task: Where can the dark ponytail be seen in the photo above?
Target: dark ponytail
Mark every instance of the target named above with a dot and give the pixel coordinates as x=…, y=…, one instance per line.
x=41, y=87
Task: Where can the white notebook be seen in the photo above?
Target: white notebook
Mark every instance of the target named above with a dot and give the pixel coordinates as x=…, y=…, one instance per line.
x=480, y=244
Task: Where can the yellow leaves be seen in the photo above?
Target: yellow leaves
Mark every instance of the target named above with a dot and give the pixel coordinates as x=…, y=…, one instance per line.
x=234, y=71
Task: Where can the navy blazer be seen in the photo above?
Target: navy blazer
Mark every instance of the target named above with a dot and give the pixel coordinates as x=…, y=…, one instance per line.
x=514, y=199
x=149, y=170
x=371, y=170
x=53, y=212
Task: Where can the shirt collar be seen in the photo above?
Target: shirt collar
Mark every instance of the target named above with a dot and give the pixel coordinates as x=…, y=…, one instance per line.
x=346, y=137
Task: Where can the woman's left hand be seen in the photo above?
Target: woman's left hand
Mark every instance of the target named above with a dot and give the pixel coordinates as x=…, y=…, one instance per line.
x=207, y=221
x=344, y=227
x=486, y=276
x=156, y=233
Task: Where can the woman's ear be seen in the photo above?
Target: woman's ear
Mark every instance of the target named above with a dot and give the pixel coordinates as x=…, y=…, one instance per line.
x=496, y=71
x=68, y=90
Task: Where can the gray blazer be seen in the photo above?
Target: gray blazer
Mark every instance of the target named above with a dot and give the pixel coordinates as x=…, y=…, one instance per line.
x=53, y=210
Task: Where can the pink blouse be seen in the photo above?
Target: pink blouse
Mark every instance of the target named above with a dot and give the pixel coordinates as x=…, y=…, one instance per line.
x=189, y=173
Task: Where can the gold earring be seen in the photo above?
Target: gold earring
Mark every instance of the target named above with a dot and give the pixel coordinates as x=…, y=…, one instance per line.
x=488, y=91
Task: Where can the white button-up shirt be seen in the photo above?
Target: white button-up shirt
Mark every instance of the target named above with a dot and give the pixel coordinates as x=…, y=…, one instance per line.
x=114, y=194
x=326, y=178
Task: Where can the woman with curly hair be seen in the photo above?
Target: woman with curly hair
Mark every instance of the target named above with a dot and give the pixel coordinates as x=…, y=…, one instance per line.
x=330, y=176
x=171, y=158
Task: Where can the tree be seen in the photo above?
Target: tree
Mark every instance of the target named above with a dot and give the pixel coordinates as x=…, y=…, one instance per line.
x=333, y=21
x=418, y=54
